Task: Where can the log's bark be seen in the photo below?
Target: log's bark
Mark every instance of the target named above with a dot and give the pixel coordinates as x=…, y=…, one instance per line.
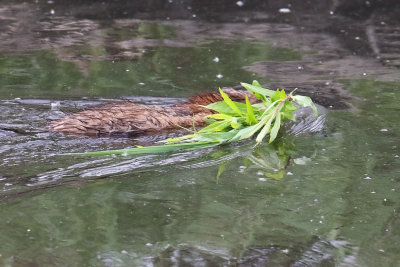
x=130, y=119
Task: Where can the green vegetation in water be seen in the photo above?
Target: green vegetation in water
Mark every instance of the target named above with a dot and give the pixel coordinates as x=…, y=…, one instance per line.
x=233, y=121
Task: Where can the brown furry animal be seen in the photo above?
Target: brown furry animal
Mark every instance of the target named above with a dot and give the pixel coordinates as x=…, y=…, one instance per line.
x=128, y=118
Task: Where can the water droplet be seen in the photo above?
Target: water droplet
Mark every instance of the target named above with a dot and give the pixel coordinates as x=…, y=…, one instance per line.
x=284, y=10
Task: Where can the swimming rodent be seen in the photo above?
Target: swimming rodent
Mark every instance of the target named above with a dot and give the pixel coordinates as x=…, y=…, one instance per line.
x=128, y=118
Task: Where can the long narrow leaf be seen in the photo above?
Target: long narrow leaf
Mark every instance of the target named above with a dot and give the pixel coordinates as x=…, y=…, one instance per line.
x=265, y=130
x=154, y=149
x=250, y=118
x=230, y=103
x=257, y=89
x=275, y=128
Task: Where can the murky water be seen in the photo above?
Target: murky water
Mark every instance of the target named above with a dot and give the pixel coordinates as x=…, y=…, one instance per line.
x=320, y=197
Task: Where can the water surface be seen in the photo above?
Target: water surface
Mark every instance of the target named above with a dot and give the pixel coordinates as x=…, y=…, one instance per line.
x=324, y=198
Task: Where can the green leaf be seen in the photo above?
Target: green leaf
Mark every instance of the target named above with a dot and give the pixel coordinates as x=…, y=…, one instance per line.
x=235, y=124
x=278, y=95
x=250, y=118
x=256, y=88
x=265, y=130
x=223, y=107
x=305, y=101
x=230, y=103
x=288, y=111
x=216, y=126
x=275, y=128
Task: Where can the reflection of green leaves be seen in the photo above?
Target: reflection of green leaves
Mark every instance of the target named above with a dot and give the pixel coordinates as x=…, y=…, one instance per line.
x=234, y=121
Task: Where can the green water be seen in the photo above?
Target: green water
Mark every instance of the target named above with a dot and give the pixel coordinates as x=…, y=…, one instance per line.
x=323, y=199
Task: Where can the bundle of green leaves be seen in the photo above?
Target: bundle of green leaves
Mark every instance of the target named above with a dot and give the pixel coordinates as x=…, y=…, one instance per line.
x=233, y=121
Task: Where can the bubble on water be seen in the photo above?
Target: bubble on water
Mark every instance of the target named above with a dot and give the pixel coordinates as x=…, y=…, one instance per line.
x=289, y=173
x=28, y=230
x=220, y=76
x=373, y=192
x=331, y=12
x=216, y=59
x=194, y=15
x=149, y=244
x=367, y=178
x=52, y=11
x=260, y=173
x=384, y=130
x=357, y=38
x=124, y=252
x=284, y=10
x=141, y=83
x=262, y=179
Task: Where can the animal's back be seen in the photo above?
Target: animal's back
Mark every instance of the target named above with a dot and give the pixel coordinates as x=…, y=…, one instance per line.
x=129, y=118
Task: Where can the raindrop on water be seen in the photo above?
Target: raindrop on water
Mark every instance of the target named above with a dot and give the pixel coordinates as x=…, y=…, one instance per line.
x=284, y=10
x=239, y=3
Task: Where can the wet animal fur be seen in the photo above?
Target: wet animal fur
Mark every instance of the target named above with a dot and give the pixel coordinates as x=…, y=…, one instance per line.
x=128, y=118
